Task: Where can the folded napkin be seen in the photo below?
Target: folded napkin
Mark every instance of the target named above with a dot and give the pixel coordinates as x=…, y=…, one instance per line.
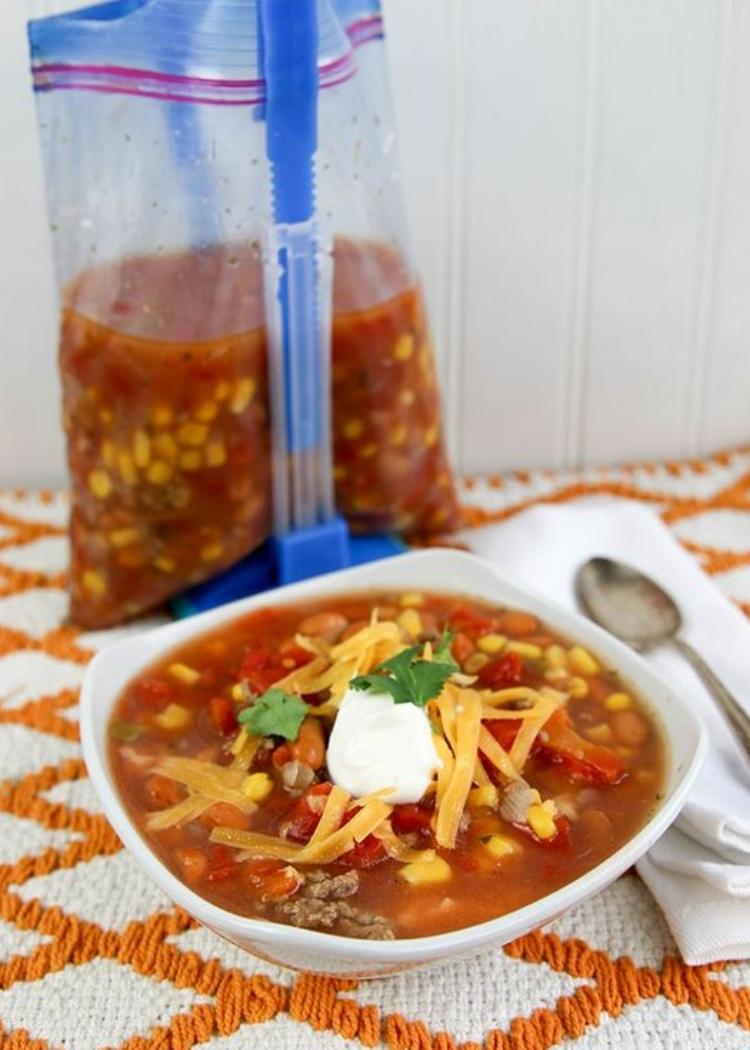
x=699, y=871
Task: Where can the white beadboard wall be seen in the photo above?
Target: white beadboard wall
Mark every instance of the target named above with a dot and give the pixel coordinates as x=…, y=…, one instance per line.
x=578, y=181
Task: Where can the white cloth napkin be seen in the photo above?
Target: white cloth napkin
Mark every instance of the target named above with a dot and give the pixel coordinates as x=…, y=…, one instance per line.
x=699, y=874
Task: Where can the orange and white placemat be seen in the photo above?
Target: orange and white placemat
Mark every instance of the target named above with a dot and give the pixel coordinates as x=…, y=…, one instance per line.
x=92, y=955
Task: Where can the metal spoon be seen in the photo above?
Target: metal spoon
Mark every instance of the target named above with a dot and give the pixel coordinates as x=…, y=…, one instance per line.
x=630, y=605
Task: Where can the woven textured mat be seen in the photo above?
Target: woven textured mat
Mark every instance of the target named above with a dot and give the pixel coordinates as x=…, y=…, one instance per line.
x=92, y=955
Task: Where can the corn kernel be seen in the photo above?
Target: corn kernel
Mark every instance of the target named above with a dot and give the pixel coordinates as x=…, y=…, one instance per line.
x=94, y=582
x=109, y=456
x=525, y=649
x=541, y=821
x=244, y=392
x=398, y=435
x=431, y=436
x=476, y=662
x=557, y=675
x=618, y=702
x=191, y=460
x=192, y=434
x=407, y=398
x=500, y=846
x=212, y=551
x=600, y=734
x=141, y=449
x=556, y=656
x=577, y=688
x=239, y=742
x=411, y=622
x=257, y=786
x=239, y=692
x=353, y=428
x=126, y=466
x=491, y=643
x=411, y=600
x=174, y=716
x=206, y=412
x=404, y=347
x=581, y=661
x=123, y=537
x=426, y=872
x=100, y=483
x=222, y=391
x=369, y=451
x=159, y=472
x=487, y=795
x=184, y=673
x=164, y=564
x=216, y=454
x=161, y=415
x=166, y=447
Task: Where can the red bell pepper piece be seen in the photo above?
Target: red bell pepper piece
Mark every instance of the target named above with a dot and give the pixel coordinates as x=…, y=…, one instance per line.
x=592, y=763
x=223, y=715
x=503, y=671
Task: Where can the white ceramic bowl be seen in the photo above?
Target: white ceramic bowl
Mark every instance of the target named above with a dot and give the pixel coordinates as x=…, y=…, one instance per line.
x=436, y=570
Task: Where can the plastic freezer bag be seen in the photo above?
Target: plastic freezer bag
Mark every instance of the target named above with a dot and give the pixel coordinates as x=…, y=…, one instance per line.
x=151, y=117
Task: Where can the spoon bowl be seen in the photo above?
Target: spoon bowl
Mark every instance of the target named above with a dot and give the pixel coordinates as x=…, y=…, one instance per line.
x=626, y=603
x=631, y=606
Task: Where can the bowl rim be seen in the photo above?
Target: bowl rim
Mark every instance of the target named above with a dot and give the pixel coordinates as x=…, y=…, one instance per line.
x=403, y=949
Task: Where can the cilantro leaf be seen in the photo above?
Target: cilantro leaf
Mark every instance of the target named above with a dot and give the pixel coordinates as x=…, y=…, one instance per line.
x=276, y=713
x=442, y=653
x=408, y=679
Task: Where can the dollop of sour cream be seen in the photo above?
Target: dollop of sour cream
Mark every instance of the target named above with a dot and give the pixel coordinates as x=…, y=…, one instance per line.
x=376, y=744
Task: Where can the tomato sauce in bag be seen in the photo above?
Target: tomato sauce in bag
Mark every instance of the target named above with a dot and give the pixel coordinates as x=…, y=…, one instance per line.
x=165, y=390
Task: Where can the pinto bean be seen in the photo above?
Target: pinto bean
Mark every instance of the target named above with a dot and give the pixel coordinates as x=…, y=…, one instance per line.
x=192, y=863
x=629, y=728
x=310, y=746
x=328, y=625
x=517, y=624
x=162, y=791
x=225, y=815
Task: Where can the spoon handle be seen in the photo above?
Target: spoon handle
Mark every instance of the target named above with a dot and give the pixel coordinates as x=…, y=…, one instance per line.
x=736, y=714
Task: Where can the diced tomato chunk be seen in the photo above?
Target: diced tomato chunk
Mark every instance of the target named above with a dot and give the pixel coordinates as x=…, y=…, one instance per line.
x=162, y=791
x=281, y=755
x=469, y=621
x=271, y=879
x=504, y=730
x=221, y=862
x=364, y=854
x=583, y=760
x=223, y=715
x=462, y=648
x=154, y=691
x=297, y=655
x=505, y=670
x=410, y=817
x=192, y=863
x=303, y=820
x=260, y=670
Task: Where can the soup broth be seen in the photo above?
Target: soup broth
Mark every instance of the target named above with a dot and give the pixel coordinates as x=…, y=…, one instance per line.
x=568, y=763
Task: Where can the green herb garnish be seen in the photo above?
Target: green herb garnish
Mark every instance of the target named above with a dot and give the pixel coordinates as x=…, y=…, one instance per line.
x=275, y=713
x=442, y=653
x=409, y=679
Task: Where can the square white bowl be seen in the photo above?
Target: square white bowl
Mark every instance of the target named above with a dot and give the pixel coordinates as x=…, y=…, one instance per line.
x=432, y=570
